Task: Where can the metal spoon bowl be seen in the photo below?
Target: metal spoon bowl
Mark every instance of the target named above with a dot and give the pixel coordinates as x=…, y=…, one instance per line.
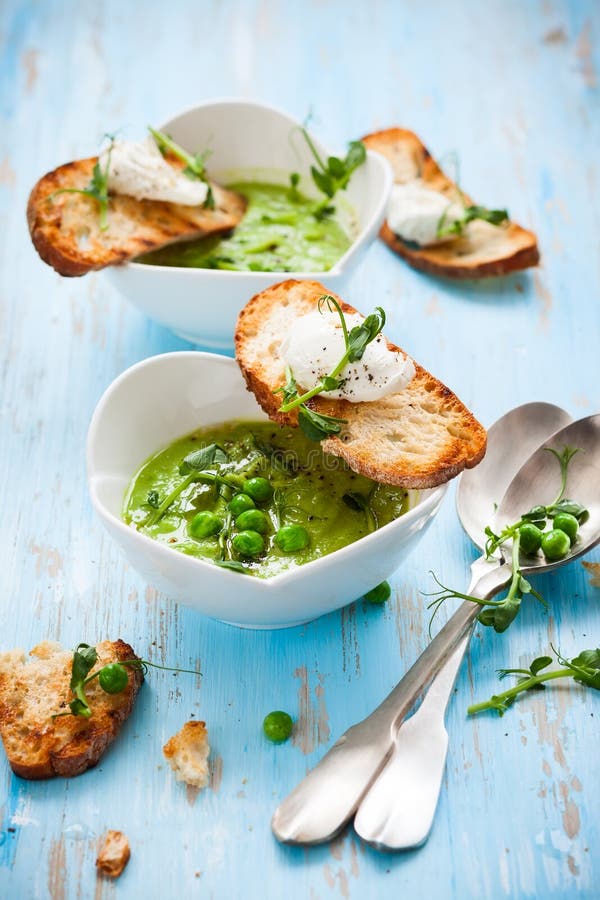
x=321, y=804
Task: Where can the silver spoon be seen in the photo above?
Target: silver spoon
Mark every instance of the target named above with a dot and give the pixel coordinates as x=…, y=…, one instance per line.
x=399, y=808
x=331, y=793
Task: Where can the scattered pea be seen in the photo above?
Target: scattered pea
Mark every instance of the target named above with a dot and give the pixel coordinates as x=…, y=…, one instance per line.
x=291, y=538
x=258, y=489
x=248, y=543
x=567, y=523
x=531, y=539
x=277, y=726
x=253, y=520
x=240, y=503
x=113, y=678
x=380, y=593
x=555, y=545
x=205, y=524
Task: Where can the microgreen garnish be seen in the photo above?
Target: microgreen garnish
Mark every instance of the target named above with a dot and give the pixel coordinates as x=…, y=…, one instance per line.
x=112, y=677
x=332, y=175
x=293, y=193
x=457, y=227
x=232, y=564
x=527, y=537
x=97, y=189
x=153, y=499
x=584, y=669
x=195, y=164
x=317, y=426
x=193, y=468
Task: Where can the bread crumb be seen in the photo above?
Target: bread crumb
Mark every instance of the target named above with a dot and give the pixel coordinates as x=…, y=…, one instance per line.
x=594, y=570
x=187, y=753
x=114, y=854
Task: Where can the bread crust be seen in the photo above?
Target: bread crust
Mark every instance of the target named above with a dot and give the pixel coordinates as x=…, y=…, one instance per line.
x=483, y=252
x=38, y=746
x=445, y=437
x=65, y=228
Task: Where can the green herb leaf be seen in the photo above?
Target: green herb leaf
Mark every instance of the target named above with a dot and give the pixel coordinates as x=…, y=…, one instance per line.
x=542, y=662
x=317, y=426
x=153, y=499
x=355, y=500
x=205, y=457
x=84, y=659
x=334, y=174
x=97, y=189
x=195, y=163
x=361, y=335
x=232, y=564
x=290, y=388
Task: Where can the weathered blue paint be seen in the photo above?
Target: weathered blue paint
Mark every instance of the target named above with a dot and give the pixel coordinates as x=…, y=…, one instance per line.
x=514, y=88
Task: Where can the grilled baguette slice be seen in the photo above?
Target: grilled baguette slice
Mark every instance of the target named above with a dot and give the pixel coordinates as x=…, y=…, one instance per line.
x=65, y=228
x=38, y=746
x=484, y=250
x=417, y=438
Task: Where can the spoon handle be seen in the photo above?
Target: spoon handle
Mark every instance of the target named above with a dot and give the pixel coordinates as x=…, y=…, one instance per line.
x=398, y=810
x=327, y=798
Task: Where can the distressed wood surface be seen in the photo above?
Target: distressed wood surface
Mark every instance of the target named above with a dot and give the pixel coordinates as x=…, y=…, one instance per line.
x=513, y=88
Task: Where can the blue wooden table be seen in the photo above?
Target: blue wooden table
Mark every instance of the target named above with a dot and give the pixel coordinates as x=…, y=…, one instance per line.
x=513, y=88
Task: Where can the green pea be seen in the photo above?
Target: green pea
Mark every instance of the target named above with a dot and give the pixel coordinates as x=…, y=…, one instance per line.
x=277, y=726
x=248, y=543
x=113, y=678
x=253, y=520
x=567, y=523
x=555, y=545
x=380, y=593
x=530, y=539
x=205, y=524
x=259, y=489
x=240, y=503
x=291, y=538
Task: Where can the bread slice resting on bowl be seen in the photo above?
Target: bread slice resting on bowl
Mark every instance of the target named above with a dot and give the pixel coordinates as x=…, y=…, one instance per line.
x=483, y=250
x=419, y=437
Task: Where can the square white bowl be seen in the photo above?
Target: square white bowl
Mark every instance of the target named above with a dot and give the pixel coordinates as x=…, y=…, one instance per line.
x=166, y=397
x=254, y=141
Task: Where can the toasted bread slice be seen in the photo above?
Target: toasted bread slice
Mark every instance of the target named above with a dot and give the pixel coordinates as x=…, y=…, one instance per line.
x=482, y=251
x=38, y=746
x=417, y=438
x=65, y=228
x=187, y=753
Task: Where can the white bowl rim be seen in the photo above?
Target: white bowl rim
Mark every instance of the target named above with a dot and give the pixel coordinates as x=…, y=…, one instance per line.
x=336, y=269
x=272, y=583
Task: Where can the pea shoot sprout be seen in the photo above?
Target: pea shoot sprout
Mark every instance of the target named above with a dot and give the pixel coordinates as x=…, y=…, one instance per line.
x=583, y=669
x=330, y=175
x=112, y=677
x=97, y=189
x=317, y=426
x=194, y=163
x=527, y=537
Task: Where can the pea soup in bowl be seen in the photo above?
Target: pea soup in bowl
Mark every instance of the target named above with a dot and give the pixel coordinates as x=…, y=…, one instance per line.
x=290, y=229
x=223, y=510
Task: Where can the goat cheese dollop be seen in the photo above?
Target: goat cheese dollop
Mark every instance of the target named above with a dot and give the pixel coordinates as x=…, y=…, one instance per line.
x=315, y=345
x=138, y=169
x=415, y=213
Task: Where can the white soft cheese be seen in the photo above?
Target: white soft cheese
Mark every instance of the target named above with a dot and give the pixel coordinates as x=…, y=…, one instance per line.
x=415, y=213
x=138, y=169
x=315, y=345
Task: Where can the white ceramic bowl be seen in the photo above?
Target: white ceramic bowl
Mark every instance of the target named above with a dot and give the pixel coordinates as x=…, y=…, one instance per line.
x=255, y=141
x=166, y=397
